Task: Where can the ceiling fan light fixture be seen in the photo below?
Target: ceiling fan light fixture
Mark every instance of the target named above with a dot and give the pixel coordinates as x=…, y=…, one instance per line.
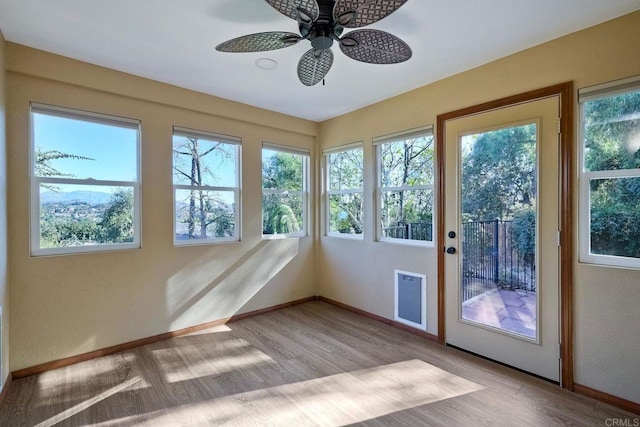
x=322, y=42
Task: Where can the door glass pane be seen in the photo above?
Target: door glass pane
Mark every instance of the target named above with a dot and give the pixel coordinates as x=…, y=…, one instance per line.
x=498, y=229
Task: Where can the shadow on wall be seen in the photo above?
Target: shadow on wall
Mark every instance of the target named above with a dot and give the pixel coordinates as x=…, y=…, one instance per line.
x=209, y=289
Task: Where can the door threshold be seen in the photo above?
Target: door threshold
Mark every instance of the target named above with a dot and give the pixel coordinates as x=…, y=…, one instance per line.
x=503, y=364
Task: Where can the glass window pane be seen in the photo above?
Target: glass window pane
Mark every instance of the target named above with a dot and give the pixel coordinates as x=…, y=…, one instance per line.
x=204, y=214
x=345, y=213
x=198, y=162
x=407, y=162
x=85, y=215
x=615, y=217
x=282, y=213
x=407, y=214
x=282, y=170
x=345, y=170
x=78, y=149
x=612, y=132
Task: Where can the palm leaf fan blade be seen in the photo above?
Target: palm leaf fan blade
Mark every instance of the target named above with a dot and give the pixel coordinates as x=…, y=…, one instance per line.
x=375, y=47
x=314, y=65
x=293, y=8
x=359, y=13
x=259, y=42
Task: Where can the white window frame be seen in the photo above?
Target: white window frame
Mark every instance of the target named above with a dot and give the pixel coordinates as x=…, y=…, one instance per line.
x=225, y=139
x=587, y=94
x=396, y=137
x=328, y=192
x=304, y=192
x=36, y=181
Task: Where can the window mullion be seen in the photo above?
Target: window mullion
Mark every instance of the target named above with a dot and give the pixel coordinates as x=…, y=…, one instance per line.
x=203, y=187
x=617, y=173
x=407, y=188
x=96, y=182
x=346, y=191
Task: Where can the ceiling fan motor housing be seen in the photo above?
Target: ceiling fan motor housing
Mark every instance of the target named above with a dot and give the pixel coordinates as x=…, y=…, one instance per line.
x=324, y=30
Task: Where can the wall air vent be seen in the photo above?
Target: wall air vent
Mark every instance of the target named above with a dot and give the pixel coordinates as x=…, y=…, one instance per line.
x=411, y=299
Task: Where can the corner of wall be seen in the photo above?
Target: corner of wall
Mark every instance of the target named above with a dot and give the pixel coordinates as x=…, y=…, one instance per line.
x=4, y=277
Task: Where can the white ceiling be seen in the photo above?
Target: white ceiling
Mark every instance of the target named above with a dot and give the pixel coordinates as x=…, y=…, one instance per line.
x=173, y=42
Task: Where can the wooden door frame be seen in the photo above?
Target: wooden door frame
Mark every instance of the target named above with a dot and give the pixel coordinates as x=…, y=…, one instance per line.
x=565, y=93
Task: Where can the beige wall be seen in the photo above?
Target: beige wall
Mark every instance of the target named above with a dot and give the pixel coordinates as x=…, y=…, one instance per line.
x=67, y=305
x=607, y=309
x=4, y=288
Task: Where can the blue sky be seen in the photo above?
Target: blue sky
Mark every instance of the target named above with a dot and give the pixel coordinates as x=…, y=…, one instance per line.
x=113, y=153
x=112, y=148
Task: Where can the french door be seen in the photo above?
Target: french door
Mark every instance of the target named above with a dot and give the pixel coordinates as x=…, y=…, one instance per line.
x=501, y=219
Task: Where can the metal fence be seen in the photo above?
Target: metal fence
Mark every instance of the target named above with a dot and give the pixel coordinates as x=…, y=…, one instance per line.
x=491, y=258
x=411, y=231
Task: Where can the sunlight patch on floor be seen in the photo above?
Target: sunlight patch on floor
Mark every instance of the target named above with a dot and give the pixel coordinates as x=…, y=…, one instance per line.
x=82, y=406
x=69, y=380
x=183, y=363
x=334, y=400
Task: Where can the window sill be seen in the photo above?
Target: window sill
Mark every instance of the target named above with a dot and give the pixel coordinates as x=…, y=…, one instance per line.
x=80, y=250
x=204, y=242
x=347, y=236
x=283, y=236
x=407, y=242
x=610, y=261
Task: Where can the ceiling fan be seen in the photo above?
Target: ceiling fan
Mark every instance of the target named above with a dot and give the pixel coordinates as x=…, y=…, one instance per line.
x=322, y=22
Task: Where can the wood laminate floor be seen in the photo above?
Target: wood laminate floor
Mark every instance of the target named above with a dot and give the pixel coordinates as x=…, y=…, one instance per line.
x=311, y=364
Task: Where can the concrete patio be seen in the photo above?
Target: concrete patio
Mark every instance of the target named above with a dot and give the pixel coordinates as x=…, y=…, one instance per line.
x=512, y=311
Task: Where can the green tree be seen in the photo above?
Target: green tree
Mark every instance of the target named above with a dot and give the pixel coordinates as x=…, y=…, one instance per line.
x=346, y=173
x=116, y=225
x=42, y=165
x=612, y=142
x=282, y=212
x=345, y=213
x=612, y=133
x=61, y=232
x=523, y=233
x=407, y=163
x=284, y=220
x=499, y=173
x=42, y=162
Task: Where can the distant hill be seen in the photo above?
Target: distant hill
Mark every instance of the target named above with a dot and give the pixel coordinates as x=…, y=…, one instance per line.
x=89, y=197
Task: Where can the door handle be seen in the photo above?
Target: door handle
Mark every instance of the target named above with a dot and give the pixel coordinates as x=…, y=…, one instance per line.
x=451, y=250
